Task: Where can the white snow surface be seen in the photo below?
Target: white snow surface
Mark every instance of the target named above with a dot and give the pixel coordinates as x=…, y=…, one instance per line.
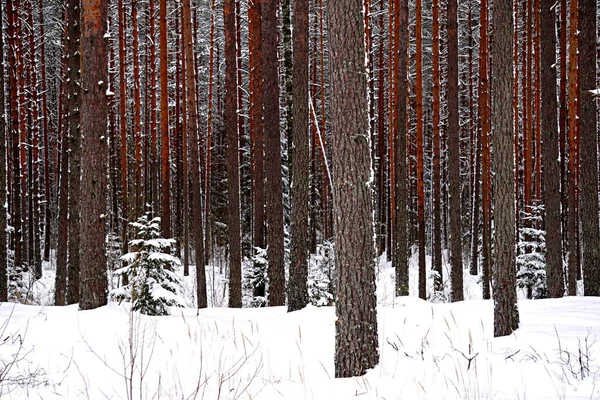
x=428, y=350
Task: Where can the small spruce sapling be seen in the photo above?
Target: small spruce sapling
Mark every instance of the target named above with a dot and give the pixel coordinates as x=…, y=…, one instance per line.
x=153, y=286
x=531, y=258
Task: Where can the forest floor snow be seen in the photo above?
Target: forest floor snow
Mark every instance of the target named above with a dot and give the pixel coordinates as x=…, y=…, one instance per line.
x=427, y=351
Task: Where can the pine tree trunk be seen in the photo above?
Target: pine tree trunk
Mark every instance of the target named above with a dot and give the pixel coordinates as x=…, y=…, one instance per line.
x=484, y=111
x=165, y=189
x=562, y=124
x=401, y=257
x=589, y=149
x=15, y=210
x=209, y=137
x=74, y=137
x=456, y=263
x=192, y=135
x=123, y=129
x=437, y=212
x=420, y=151
x=60, y=286
x=94, y=109
x=573, y=264
x=506, y=313
x=297, y=286
x=137, y=113
x=550, y=143
x=273, y=171
x=44, y=116
x=3, y=175
x=256, y=130
x=233, y=178
x=356, y=328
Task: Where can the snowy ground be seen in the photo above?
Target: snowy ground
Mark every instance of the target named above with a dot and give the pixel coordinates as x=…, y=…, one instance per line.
x=428, y=351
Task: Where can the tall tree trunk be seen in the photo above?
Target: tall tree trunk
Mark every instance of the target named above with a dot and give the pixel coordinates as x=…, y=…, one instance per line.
x=484, y=111
x=15, y=210
x=192, y=134
x=209, y=135
x=73, y=119
x=94, y=109
x=123, y=129
x=562, y=124
x=60, y=286
x=297, y=287
x=154, y=178
x=273, y=172
x=356, y=327
x=256, y=131
x=437, y=212
x=3, y=175
x=506, y=313
x=44, y=116
x=233, y=179
x=165, y=189
x=456, y=263
x=550, y=143
x=137, y=113
x=420, y=150
x=589, y=149
x=401, y=258
x=573, y=264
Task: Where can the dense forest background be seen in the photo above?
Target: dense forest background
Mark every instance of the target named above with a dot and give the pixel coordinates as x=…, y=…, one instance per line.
x=230, y=121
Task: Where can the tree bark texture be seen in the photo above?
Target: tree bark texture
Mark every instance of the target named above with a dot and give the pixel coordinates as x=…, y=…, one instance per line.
x=297, y=287
x=233, y=178
x=356, y=327
x=550, y=160
x=273, y=171
x=589, y=149
x=506, y=313
x=94, y=111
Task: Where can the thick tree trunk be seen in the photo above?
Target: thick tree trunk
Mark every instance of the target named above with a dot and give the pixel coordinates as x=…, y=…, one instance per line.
x=137, y=113
x=356, y=327
x=74, y=104
x=44, y=116
x=589, y=149
x=297, y=287
x=506, y=313
x=273, y=171
x=123, y=129
x=94, y=75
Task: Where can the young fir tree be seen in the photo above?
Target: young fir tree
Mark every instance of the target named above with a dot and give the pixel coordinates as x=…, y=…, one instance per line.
x=152, y=284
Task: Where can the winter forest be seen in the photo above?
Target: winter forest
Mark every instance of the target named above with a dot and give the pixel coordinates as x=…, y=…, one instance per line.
x=243, y=199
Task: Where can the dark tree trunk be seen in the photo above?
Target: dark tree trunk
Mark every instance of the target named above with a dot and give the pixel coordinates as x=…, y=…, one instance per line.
x=356, y=339
x=589, y=149
x=436, y=190
x=401, y=257
x=3, y=159
x=551, y=165
x=233, y=178
x=273, y=171
x=44, y=116
x=192, y=135
x=420, y=150
x=94, y=110
x=456, y=263
x=165, y=171
x=256, y=130
x=74, y=139
x=297, y=287
x=506, y=313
